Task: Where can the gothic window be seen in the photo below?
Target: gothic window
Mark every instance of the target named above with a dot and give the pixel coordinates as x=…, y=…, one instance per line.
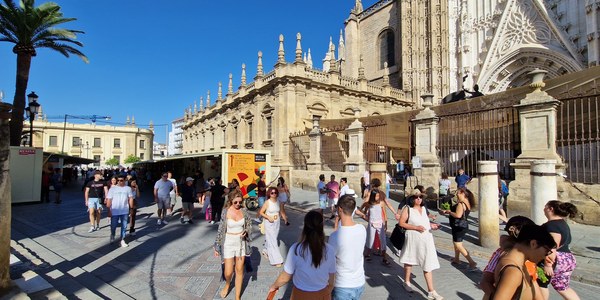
x=267, y=113
x=387, y=48
x=235, y=135
x=269, y=128
x=250, y=131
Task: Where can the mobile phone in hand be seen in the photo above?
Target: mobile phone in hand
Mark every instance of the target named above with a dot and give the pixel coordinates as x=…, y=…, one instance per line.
x=271, y=295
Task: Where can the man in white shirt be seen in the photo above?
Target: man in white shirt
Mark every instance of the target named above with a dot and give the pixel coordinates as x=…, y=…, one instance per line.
x=162, y=190
x=344, y=186
x=119, y=200
x=173, y=193
x=348, y=242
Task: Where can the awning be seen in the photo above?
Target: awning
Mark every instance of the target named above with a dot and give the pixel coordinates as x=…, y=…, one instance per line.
x=69, y=160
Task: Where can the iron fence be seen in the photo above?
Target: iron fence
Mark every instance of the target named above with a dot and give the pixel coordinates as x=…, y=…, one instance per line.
x=299, y=150
x=374, y=149
x=334, y=148
x=466, y=138
x=578, y=138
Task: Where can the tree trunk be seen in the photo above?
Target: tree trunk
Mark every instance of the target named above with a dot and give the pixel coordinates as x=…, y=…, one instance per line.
x=5, y=199
x=16, y=121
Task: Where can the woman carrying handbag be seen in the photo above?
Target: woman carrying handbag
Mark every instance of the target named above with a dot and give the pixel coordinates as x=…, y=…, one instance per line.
x=457, y=215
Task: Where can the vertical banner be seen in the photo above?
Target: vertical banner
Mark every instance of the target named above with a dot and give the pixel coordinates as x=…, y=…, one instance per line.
x=246, y=168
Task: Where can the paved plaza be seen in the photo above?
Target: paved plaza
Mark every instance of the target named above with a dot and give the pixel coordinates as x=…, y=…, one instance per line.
x=176, y=261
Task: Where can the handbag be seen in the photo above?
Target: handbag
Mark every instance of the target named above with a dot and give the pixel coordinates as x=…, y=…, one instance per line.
x=462, y=222
x=398, y=236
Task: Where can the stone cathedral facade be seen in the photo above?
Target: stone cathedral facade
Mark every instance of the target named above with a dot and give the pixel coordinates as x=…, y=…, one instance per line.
x=390, y=54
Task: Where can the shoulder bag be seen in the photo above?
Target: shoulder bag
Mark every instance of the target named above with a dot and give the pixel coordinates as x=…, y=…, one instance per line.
x=462, y=222
x=398, y=234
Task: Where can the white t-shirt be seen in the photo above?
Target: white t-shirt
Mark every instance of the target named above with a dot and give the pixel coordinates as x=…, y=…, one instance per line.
x=174, y=182
x=349, y=244
x=321, y=186
x=164, y=188
x=344, y=190
x=119, y=196
x=305, y=276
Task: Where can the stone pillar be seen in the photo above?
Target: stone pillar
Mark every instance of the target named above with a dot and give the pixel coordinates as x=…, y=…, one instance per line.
x=487, y=173
x=543, y=187
x=537, y=122
x=378, y=170
x=356, y=139
x=426, y=134
x=314, y=161
x=5, y=198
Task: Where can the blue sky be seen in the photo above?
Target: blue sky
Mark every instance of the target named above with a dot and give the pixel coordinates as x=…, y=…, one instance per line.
x=153, y=58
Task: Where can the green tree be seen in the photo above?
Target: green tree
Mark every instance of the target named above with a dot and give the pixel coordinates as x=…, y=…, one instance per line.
x=30, y=27
x=131, y=159
x=112, y=161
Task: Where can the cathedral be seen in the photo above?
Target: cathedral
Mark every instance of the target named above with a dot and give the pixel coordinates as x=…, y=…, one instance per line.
x=387, y=57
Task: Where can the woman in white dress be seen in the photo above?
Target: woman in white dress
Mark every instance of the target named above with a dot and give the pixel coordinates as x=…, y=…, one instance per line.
x=233, y=241
x=419, y=248
x=271, y=211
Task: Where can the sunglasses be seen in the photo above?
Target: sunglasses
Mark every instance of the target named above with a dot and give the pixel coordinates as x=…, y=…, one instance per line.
x=237, y=202
x=120, y=180
x=273, y=193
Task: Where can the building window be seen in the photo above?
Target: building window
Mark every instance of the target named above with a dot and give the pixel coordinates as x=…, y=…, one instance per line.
x=53, y=141
x=224, y=137
x=213, y=139
x=269, y=128
x=118, y=158
x=97, y=142
x=117, y=143
x=142, y=156
x=97, y=159
x=250, y=132
x=386, y=49
x=76, y=141
x=142, y=144
x=235, y=135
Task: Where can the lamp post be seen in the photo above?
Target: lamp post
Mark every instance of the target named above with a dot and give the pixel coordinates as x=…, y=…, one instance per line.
x=32, y=110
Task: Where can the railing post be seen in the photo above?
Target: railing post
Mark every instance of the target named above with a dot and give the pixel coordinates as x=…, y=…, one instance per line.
x=487, y=173
x=356, y=138
x=543, y=187
x=426, y=135
x=314, y=161
x=537, y=124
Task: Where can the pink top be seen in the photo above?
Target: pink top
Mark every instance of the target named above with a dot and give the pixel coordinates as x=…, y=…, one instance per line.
x=334, y=186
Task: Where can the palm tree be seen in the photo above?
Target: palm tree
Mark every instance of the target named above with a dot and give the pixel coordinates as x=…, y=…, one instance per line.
x=30, y=27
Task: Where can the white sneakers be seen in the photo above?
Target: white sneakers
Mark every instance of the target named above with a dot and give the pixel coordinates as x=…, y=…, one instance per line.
x=123, y=244
x=434, y=296
x=92, y=229
x=158, y=222
x=407, y=287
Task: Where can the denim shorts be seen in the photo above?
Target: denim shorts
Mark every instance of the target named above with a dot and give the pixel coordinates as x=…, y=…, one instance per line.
x=94, y=203
x=340, y=293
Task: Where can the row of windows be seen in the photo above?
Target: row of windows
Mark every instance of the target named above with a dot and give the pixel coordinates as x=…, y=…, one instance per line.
x=269, y=123
x=77, y=142
x=117, y=157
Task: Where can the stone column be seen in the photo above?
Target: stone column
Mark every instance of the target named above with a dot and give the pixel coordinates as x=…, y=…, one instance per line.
x=378, y=170
x=314, y=161
x=5, y=198
x=537, y=122
x=426, y=134
x=543, y=187
x=356, y=139
x=487, y=173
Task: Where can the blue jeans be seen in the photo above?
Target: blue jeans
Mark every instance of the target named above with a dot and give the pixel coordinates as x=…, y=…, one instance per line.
x=340, y=293
x=113, y=225
x=261, y=201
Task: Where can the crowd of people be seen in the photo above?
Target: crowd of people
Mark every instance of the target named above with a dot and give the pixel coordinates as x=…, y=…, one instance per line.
x=531, y=257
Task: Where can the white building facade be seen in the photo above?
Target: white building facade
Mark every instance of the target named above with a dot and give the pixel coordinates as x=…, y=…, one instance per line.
x=175, y=145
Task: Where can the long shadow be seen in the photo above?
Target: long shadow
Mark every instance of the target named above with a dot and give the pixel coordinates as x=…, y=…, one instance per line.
x=37, y=220
x=475, y=276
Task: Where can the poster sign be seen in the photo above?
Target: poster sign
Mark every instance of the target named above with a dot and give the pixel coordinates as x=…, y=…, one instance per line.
x=26, y=151
x=246, y=168
x=416, y=162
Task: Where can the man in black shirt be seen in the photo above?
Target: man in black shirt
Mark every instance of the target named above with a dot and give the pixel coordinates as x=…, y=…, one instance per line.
x=95, y=191
x=187, y=192
x=216, y=200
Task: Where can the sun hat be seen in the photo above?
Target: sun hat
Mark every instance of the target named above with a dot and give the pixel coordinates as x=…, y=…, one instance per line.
x=415, y=192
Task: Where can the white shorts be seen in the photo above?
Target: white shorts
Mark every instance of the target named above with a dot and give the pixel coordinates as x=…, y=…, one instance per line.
x=234, y=246
x=332, y=201
x=173, y=199
x=163, y=203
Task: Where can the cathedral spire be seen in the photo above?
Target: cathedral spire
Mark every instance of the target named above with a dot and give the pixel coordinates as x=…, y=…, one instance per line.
x=298, y=48
x=309, y=61
x=201, y=103
x=358, y=8
x=208, y=99
x=341, y=47
x=281, y=52
x=259, y=66
x=220, y=92
x=243, y=83
x=195, y=107
x=230, y=85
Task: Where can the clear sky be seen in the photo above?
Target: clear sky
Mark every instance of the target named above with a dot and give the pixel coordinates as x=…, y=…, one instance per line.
x=152, y=58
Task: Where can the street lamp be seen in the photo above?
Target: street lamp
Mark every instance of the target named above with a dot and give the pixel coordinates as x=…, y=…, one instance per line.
x=32, y=110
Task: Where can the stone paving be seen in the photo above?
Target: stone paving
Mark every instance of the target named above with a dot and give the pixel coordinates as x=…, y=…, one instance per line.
x=176, y=261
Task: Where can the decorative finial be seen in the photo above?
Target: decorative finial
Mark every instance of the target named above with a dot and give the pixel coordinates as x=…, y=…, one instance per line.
x=230, y=86
x=386, y=74
x=220, y=92
x=537, y=79
x=195, y=107
x=341, y=47
x=243, y=74
x=358, y=8
x=132, y=120
x=127, y=121
x=309, y=61
x=281, y=52
x=151, y=125
x=361, y=69
x=208, y=99
x=298, y=47
x=259, y=67
x=201, y=103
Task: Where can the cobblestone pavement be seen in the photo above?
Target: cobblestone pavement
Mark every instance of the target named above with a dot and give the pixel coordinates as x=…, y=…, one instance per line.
x=175, y=261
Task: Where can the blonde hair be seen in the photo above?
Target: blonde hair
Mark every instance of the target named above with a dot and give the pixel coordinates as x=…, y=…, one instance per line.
x=232, y=195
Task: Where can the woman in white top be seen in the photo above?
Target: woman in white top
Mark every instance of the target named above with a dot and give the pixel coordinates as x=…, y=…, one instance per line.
x=419, y=248
x=283, y=190
x=310, y=263
x=271, y=211
x=233, y=241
